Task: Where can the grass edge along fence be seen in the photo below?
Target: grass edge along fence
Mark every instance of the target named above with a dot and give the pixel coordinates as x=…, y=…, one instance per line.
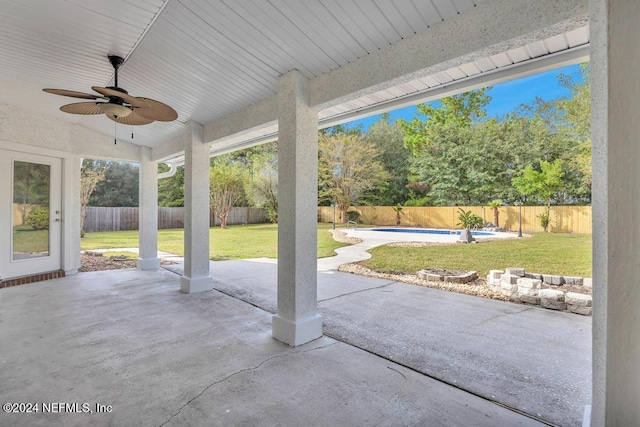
x=564, y=219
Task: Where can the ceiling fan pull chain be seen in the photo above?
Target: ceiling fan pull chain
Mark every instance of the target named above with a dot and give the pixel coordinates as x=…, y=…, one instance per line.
x=115, y=140
x=131, y=132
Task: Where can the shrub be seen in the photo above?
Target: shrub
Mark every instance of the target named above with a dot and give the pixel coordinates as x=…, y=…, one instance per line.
x=353, y=215
x=272, y=212
x=469, y=220
x=544, y=220
x=38, y=218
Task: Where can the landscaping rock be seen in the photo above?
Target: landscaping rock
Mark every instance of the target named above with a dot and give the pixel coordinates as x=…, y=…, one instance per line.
x=553, y=305
x=551, y=295
x=491, y=285
x=536, y=276
x=552, y=280
x=430, y=276
x=494, y=275
x=587, y=282
x=576, y=299
x=552, y=299
x=507, y=293
x=509, y=290
x=529, y=283
x=516, y=271
x=515, y=297
x=463, y=278
x=509, y=278
x=511, y=287
x=466, y=236
x=585, y=311
x=530, y=299
x=575, y=281
x=528, y=287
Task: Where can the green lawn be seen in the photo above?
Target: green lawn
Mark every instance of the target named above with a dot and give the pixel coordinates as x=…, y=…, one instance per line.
x=567, y=254
x=562, y=254
x=28, y=240
x=236, y=242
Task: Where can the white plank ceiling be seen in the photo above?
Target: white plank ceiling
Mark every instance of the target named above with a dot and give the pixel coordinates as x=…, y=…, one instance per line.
x=210, y=58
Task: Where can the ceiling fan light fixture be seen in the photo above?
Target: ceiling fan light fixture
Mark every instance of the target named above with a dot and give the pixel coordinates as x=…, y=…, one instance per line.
x=116, y=110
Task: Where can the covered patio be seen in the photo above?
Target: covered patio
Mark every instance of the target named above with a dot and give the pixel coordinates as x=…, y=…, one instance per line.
x=243, y=73
x=392, y=354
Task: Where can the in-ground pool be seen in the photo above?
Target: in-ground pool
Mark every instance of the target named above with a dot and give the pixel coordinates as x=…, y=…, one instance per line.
x=430, y=231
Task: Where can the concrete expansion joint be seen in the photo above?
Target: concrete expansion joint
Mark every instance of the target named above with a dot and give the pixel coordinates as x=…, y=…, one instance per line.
x=357, y=292
x=241, y=371
x=436, y=378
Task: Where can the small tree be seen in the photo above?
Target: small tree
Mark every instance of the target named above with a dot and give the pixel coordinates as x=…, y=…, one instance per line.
x=495, y=206
x=263, y=187
x=227, y=187
x=543, y=184
x=398, y=210
x=348, y=165
x=90, y=176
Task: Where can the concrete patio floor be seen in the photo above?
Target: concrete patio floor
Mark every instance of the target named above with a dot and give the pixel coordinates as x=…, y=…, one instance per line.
x=131, y=340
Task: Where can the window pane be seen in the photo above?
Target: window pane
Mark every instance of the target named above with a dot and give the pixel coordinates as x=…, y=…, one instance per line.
x=31, y=183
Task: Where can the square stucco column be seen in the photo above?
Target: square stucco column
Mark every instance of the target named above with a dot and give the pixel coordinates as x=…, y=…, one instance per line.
x=71, y=214
x=196, y=212
x=615, y=113
x=297, y=320
x=148, y=212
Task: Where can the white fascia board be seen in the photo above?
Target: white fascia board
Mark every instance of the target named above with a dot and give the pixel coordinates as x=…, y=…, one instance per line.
x=576, y=55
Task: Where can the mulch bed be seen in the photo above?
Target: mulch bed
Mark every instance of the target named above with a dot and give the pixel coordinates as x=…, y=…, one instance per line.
x=96, y=262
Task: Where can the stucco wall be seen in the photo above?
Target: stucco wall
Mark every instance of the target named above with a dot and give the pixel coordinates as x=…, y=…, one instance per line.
x=21, y=126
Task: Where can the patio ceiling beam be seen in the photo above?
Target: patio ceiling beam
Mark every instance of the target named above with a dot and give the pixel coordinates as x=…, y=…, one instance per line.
x=261, y=114
x=485, y=30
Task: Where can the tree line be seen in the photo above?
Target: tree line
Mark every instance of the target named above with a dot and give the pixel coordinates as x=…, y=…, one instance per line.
x=448, y=154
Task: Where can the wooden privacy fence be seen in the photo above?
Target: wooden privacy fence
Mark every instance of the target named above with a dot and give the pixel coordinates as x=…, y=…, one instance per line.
x=564, y=219
x=115, y=219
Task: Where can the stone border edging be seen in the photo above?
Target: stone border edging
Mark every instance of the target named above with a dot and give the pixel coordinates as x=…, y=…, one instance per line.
x=527, y=288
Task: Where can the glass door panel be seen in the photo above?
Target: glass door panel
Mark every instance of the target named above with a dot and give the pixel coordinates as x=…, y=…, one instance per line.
x=31, y=218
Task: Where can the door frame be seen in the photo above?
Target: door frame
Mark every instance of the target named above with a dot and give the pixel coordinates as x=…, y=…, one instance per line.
x=9, y=267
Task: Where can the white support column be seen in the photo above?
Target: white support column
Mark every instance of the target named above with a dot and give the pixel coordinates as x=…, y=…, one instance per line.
x=196, y=216
x=615, y=101
x=71, y=214
x=148, y=212
x=297, y=320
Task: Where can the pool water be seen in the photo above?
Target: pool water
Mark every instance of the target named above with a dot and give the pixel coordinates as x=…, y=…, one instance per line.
x=430, y=231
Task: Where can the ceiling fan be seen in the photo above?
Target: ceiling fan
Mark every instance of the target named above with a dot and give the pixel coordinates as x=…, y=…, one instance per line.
x=116, y=103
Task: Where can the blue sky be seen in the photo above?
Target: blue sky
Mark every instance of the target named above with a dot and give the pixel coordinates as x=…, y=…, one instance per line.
x=505, y=97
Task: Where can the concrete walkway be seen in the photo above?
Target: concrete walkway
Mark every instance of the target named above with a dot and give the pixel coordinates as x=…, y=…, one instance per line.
x=534, y=360
x=129, y=349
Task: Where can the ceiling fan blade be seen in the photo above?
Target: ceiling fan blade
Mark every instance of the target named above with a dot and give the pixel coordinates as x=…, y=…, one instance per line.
x=72, y=93
x=156, y=110
x=131, y=100
x=82, y=108
x=132, y=119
